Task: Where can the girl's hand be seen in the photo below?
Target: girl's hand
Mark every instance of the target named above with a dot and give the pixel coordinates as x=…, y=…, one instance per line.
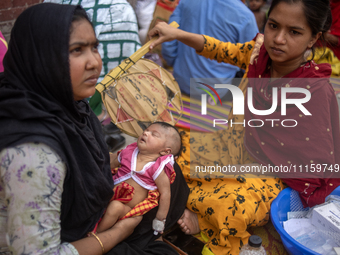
x=164, y=31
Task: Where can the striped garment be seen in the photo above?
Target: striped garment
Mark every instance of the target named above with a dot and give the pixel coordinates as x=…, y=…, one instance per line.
x=116, y=28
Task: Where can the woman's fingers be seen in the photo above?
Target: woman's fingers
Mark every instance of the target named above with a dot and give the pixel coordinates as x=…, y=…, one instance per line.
x=156, y=42
x=164, y=32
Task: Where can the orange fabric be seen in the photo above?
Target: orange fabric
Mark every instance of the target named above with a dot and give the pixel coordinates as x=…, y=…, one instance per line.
x=146, y=205
x=225, y=207
x=123, y=192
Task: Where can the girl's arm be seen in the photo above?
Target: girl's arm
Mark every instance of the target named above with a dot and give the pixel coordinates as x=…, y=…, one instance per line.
x=168, y=33
x=237, y=54
x=31, y=183
x=163, y=185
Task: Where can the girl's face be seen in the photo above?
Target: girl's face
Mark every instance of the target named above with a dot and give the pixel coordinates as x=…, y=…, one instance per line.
x=85, y=61
x=287, y=34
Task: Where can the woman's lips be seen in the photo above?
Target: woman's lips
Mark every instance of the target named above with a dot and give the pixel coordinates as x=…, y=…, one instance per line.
x=92, y=79
x=277, y=50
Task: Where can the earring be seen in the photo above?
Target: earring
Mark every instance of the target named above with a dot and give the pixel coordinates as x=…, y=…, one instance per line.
x=307, y=54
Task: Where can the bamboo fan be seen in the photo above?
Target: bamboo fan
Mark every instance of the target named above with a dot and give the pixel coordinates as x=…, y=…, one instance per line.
x=138, y=92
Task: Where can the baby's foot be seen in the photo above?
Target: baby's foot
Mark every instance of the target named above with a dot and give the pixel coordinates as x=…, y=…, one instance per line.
x=189, y=223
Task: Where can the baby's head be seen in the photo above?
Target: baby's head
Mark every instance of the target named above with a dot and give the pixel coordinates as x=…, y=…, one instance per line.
x=160, y=138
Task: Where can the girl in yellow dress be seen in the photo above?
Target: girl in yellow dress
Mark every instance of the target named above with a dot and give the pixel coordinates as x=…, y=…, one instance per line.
x=222, y=209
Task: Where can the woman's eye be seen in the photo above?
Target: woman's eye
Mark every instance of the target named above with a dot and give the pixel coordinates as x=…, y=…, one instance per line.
x=295, y=32
x=95, y=47
x=78, y=49
x=272, y=25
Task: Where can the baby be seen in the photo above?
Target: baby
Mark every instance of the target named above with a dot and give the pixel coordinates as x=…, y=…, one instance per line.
x=146, y=166
x=260, y=16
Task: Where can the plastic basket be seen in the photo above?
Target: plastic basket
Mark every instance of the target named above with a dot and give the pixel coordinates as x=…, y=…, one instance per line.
x=278, y=214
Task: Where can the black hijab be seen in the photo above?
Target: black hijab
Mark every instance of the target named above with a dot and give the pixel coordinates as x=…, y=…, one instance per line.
x=36, y=102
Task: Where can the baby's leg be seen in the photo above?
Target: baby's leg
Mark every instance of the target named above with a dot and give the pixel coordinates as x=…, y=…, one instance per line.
x=114, y=212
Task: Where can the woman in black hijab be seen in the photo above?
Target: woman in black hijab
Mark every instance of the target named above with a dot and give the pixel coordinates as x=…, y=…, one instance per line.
x=55, y=177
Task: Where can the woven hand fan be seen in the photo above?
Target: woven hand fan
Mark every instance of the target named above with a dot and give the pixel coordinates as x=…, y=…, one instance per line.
x=138, y=92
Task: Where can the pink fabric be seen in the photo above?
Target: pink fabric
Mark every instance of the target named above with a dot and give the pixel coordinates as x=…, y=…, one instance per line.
x=3, y=50
x=147, y=176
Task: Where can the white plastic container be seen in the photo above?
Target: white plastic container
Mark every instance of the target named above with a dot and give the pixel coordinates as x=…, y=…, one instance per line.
x=253, y=247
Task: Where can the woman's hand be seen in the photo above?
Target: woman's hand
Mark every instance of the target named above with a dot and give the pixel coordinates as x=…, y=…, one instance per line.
x=168, y=33
x=108, y=239
x=165, y=32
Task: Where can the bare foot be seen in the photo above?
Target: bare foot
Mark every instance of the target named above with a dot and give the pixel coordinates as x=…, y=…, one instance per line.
x=189, y=223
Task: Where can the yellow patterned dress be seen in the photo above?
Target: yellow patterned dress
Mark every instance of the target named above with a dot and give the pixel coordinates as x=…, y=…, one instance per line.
x=226, y=207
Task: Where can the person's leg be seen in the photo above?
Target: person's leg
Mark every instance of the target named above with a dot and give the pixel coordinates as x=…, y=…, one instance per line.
x=189, y=223
x=114, y=212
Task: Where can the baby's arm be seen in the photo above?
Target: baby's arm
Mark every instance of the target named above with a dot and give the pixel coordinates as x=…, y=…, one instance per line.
x=163, y=185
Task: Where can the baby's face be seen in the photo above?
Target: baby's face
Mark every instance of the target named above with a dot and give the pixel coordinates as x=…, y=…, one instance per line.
x=153, y=139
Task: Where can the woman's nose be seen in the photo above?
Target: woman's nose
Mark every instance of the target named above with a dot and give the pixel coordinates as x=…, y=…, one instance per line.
x=94, y=60
x=280, y=37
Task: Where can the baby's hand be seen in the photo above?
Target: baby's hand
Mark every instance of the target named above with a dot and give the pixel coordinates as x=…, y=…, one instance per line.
x=158, y=226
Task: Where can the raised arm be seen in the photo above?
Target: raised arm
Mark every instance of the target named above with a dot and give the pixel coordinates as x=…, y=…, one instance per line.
x=237, y=54
x=167, y=33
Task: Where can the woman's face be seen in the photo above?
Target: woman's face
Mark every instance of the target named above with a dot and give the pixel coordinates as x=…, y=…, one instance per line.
x=287, y=34
x=85, y=61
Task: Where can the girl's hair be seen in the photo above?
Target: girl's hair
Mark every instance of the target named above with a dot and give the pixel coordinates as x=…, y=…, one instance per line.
x=317, y=12
x=80, y=14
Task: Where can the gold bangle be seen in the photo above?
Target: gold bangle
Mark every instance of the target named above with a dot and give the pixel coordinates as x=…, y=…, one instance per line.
x=100, y=242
